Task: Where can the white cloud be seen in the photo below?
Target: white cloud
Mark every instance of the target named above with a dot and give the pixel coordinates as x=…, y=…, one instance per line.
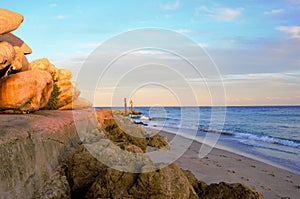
x=274, y=12
x=171, y=6
x=220, y=13
x=294, y=31
x=60, y=17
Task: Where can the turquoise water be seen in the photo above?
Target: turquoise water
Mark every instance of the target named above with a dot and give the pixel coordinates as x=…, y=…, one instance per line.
x=271, y=133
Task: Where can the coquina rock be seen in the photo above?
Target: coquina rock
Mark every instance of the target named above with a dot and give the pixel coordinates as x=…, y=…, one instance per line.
x=9, y=20
x=16, y=41
x=25, y=91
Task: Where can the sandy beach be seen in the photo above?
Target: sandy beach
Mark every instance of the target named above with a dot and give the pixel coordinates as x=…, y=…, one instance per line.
x=221, y=165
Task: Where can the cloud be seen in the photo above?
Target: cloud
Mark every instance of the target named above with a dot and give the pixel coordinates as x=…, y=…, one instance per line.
x=274, y=12
x=294, y=31
x=220, y=13
x=171, y=6
x=60, y=17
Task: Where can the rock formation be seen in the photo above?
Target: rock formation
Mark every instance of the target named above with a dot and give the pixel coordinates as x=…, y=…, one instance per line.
x=25, y=92
x=221, y=190
x=32, y=94
x=9, y=21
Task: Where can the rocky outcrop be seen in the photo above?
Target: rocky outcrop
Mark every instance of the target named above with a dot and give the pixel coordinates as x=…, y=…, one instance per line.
x=25, y=92
x=13, y=60
x=42, y=156
x=9, y=20
x=62, y=78
x=169, y=182
x=32, y=150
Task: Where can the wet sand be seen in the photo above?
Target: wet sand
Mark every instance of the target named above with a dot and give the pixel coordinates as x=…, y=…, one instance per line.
x=221, y=165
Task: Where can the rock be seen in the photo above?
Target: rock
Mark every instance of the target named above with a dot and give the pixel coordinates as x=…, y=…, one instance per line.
x=44, y=64
x=168, y=182
x=64, y=74
x=16, y=41
x=9, y=21
x=7, y=55
x=17, y=63
x=221, y=190
x=69, y=92
x=33, y=146
x=83, y=170
x=25, y=64
x=25, y=92
x=120, y=129
x=230, y=191
x=78, y=104
x=55, y=187
x=158, y=141
x=112, y=184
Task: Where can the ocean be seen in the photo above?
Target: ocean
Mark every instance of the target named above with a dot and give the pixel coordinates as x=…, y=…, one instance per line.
x=267, y=133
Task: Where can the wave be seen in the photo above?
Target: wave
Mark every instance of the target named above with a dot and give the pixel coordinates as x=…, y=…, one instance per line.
x=215, y=131
x=268, y=139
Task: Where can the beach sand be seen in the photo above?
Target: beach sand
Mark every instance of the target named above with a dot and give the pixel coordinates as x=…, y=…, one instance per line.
x=221, y=165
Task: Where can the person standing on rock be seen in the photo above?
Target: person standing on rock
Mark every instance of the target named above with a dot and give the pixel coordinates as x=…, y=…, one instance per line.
x=131, y=105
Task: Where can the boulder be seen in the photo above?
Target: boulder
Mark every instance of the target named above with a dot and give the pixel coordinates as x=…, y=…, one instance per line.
x=68, y=92
x=64, y=74
x=230, y=191
x=78, y=104
x=169, y=182
x=25, y=91
x=222, y=189
x=9, y=20
x=119, y=129
x=16, y=41
x=158, y=141
x=7, y=55
x=44, y=64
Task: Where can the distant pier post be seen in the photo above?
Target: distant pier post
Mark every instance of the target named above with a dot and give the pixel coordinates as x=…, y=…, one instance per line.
x=131, y=105
x=125, y=106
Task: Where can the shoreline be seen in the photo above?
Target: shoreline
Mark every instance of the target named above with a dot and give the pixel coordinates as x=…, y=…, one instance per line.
x=224, y=165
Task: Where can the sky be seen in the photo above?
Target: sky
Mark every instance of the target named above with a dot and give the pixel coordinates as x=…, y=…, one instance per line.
x=247, y=51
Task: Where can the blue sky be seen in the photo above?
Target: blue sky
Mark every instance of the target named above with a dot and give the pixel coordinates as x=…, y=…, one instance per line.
x=254, y=43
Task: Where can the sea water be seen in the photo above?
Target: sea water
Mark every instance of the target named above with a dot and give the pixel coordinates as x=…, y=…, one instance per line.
x=268, y=133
